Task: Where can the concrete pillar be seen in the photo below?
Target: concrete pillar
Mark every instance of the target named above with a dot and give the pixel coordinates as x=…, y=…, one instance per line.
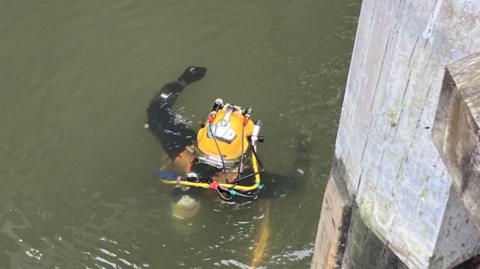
x=404, y=204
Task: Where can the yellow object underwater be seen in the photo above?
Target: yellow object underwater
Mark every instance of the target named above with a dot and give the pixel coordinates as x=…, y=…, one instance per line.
x=263, y=235
x=185, y=208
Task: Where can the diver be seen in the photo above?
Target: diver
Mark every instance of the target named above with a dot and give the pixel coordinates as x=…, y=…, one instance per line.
x=221, y=156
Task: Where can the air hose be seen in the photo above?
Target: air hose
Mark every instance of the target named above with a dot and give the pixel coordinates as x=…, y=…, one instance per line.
x=174, y=179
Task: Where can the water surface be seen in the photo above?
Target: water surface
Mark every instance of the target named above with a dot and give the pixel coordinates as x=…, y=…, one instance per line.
x=75, y=80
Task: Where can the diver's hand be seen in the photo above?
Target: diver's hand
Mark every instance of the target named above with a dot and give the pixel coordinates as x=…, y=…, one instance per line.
x=192, y=74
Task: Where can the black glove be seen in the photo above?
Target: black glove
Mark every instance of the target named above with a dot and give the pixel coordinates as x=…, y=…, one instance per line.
x=192, y=74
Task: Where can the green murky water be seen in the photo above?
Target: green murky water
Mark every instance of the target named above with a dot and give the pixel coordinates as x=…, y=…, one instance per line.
x=75, y=80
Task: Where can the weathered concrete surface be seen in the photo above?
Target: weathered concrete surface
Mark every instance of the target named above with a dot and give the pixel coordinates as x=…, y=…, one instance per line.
x=365, y=250
x=455, y=237
x=456, y=132
x=392, y=168
x=334, y=223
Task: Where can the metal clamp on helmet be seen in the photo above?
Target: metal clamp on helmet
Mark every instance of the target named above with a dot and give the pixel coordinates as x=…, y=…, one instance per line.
x=222, y=130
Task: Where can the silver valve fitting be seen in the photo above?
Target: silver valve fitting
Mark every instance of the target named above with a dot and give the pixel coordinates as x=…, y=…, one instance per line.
x=217, y=105
x=248, y=111
x=256, y=131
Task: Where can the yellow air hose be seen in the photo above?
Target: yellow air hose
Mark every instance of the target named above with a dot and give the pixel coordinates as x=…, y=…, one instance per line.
x=223, y=185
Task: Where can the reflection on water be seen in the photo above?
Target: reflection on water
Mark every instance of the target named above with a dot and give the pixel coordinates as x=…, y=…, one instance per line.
x=76, y=78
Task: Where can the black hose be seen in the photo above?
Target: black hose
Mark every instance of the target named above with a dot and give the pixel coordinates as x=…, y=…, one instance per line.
x=256, y=156
x=246, y=195
x=240, y=168
x=235, y=193
x=235, y=183
x=225, y=198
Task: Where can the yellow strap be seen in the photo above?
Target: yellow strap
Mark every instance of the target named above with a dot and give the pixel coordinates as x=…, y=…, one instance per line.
x=224, y=185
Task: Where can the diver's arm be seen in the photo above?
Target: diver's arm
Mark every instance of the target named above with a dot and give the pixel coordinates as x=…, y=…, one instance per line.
x=173, y=135
x=295, y=180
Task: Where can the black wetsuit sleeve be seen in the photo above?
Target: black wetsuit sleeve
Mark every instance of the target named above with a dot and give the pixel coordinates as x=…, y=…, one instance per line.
x=276, y=185
x=172, y=134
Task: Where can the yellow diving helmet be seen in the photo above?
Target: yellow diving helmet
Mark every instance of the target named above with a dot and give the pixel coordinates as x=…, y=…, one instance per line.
x=223, y=139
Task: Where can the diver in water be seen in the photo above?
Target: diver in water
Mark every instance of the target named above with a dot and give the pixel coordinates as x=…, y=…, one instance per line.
x=221, y=156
